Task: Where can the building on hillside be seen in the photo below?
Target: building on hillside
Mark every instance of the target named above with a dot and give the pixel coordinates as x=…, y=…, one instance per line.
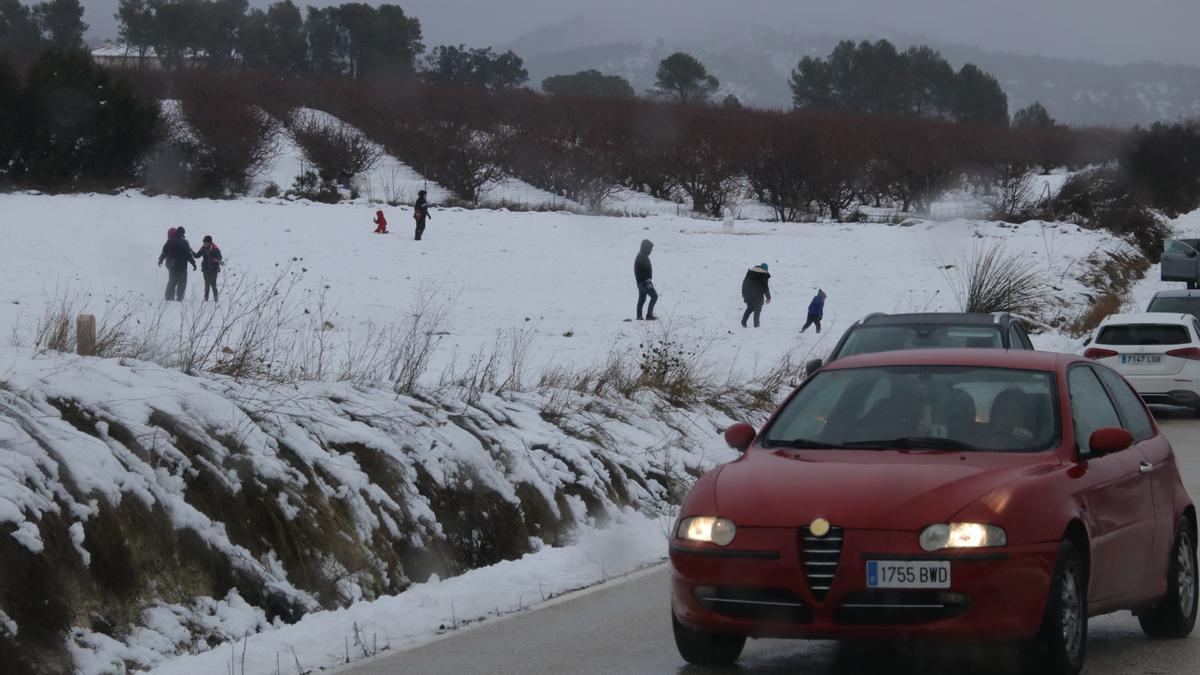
x=119, y=55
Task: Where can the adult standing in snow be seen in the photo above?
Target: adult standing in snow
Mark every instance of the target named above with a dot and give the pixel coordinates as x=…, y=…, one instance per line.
x=816, y=311
x=380, y=223
x=755, y=288
x=421, y=213
x=643, y=274
x=210, y=265
x=177, y=253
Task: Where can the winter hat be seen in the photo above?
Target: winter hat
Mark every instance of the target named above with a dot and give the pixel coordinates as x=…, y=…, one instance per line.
x=170, y=232
x=208, y=238
x=763, y=265
x=179, y=231
x=420, y=193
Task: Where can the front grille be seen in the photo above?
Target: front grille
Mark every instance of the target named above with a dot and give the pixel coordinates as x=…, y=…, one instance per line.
x=820, y=556
x=749, y=602
x=875, y=608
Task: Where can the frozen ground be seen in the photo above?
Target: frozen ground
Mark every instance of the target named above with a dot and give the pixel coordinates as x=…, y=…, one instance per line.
x=567, y=278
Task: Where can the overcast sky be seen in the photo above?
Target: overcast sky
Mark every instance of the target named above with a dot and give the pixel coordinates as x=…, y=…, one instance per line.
x=1110, y=31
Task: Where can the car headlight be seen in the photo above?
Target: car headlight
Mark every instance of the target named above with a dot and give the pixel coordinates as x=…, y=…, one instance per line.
x=709, y=529
x=962, y=535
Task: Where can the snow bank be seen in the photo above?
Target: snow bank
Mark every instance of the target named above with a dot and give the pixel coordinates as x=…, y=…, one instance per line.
x=186, y=511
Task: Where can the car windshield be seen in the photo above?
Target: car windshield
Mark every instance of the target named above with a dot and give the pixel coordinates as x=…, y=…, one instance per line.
x=871, y=339
x=1143, y=334
x=956, y=408
x=1183, y=305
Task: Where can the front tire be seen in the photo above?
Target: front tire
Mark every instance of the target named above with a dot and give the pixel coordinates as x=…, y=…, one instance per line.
x=1174, y=615
x=1061, y=645
x=706, y=649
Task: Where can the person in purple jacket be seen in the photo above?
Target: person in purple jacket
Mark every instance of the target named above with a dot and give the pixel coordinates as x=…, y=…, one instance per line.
x=816, y=310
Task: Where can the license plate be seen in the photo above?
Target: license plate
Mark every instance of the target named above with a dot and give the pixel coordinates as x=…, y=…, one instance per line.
x=908, y=574
x=1141, y=359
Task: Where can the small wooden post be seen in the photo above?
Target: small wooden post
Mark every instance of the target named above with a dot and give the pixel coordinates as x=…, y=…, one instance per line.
x=85, y=332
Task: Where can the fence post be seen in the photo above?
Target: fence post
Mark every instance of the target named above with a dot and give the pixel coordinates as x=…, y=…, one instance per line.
x=85, y=332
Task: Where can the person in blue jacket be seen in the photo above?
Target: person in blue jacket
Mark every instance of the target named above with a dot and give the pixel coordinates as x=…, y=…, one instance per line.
x=816, y=310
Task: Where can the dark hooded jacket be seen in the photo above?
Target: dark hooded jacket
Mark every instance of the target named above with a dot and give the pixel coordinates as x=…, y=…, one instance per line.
x=755, y=286
x=177, y=253
x=642, y=270
x=210, y=259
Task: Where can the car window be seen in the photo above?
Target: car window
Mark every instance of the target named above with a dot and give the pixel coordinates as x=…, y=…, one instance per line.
x=1129, y=405
x=959, y=407
x=871, y=339
x=1168, y=305
x=1017, y=338
x=1090, y=406
x=1177, y=247
x=1144, y=334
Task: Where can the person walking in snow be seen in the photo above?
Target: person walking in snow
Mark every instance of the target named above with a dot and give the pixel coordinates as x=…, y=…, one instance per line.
x=816, y=311
x=177, y=253
x=210, y=265
x=421, y=213
x=380, y=223
x=643, y=274
x=755, y=287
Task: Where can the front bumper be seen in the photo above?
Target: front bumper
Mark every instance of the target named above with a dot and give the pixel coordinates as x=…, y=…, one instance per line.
x=758, y=587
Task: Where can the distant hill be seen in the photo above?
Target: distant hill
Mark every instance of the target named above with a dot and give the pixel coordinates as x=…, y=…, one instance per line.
x=755, y=65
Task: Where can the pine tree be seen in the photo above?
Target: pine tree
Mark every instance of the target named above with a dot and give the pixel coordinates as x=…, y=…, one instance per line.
x=682, y=78
x=61, y=22
x=1033, y=116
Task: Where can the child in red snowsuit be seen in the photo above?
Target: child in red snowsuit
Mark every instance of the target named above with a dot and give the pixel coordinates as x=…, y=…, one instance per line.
x=380, y=223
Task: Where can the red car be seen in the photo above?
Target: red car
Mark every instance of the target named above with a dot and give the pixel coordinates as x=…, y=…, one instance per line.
x=967, y=495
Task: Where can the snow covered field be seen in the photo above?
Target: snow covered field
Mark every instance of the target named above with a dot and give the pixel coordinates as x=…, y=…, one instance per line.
x=567, y=278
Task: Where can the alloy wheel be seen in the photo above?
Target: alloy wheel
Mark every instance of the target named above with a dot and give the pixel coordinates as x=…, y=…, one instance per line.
x=1185, y=575
x=1071, y=610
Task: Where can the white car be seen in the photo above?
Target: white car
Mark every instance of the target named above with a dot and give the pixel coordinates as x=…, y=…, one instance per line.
x=1158, y=353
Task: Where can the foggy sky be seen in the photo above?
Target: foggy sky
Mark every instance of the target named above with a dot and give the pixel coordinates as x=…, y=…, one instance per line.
x=1109, y=31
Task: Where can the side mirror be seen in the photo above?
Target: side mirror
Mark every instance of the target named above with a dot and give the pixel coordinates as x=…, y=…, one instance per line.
x=1109, y=440
x=740, y=436
x=813, y=366
x=1087, y=341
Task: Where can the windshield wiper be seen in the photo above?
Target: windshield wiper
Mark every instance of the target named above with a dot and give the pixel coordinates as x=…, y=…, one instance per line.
x=805, y=444
x=914, y=443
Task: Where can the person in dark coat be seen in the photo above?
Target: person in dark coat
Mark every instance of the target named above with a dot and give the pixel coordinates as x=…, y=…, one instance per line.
x=755, y=288
x=816, y=311
x=643, y=274
x=421, y=213
x=177, y=253
x=210, y=265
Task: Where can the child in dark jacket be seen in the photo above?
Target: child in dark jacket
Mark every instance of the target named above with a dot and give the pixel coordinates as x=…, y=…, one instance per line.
x=816, y=311
x=210, y=265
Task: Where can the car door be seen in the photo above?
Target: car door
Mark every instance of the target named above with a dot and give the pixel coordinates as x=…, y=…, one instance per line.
x=1180, y=262
x=1158, y=464
x=1117, y=498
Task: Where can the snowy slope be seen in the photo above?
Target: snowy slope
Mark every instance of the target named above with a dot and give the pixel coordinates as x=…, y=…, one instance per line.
x=496, y=271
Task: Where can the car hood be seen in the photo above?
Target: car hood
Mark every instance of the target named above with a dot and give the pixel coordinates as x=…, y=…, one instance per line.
x=863, y=489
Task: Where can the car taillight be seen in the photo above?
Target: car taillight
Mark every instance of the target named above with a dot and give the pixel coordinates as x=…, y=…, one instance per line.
x=1098, y=353
x=1186, y=353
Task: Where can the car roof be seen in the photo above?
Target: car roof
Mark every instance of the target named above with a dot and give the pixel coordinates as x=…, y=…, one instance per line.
x=935, y=318
x=1178, y=293
x=1147, y=317
x=1023, y=359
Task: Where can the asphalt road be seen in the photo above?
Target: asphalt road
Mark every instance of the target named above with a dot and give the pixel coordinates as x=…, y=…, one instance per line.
x=625, y=628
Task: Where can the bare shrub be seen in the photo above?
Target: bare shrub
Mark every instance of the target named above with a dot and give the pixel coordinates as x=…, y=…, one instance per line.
x=992, y=279
x=56, y=329
x=419, y=335
x=1012, y=199
x=339, y=151
x=235, y=139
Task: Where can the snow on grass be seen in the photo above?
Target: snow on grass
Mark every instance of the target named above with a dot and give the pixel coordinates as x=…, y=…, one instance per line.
x=568, y=279
x=426, y=610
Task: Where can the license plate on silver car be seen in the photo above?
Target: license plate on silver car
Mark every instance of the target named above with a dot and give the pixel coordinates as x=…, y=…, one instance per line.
x=908, y=574
x=1141, y=359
